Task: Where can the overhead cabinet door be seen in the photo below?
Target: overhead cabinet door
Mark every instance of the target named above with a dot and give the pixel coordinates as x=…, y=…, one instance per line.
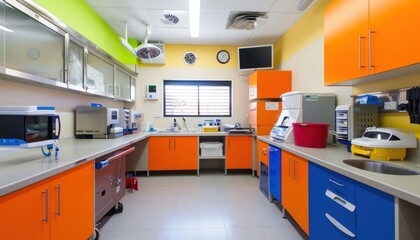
x=32, y=49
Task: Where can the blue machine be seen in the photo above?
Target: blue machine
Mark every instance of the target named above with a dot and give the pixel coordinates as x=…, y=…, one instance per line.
x=275, y=172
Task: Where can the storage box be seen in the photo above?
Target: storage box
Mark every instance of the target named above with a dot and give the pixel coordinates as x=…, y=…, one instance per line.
x=211, y=149
x=313, y=135
x=210, y=129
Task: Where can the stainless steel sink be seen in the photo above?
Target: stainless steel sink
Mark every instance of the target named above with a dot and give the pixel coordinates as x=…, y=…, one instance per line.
x=380, y=167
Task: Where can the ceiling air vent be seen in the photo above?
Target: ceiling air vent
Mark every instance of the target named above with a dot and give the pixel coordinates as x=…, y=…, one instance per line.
x=169, y=19
x=246, y=20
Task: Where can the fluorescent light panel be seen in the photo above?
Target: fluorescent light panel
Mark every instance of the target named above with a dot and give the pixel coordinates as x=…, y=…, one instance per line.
x=194, y=11
x=5, y=29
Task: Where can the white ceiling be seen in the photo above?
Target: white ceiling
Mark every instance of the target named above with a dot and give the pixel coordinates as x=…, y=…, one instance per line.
x=282, y=14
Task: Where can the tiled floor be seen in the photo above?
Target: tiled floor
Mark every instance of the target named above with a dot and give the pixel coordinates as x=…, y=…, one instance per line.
x=212, y=206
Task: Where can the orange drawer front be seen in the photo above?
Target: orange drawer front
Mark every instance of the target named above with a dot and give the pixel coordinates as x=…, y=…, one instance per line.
x=263, y=152
x=263, y=113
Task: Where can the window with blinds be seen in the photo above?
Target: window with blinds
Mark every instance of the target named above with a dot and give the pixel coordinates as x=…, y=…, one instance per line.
x=197, y=98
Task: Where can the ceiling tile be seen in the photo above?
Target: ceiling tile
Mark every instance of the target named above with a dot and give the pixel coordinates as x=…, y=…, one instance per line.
x=285, y=6
x=213, y=21
x=174, y=35
x=166, y=4
x=259, y=6
x=216, y=5
x=133, y=16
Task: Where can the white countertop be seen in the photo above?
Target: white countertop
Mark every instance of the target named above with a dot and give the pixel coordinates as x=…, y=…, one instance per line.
x=22, y=167
x=331, y=157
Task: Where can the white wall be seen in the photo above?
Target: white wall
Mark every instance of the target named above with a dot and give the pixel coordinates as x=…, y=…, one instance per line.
x=156, y=75
x=308, y=72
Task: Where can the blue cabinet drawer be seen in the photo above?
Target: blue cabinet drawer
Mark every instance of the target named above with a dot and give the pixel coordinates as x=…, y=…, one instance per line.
x=337, y=183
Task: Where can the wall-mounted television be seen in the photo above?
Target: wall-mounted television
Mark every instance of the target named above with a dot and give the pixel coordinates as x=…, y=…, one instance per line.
x=255, y=57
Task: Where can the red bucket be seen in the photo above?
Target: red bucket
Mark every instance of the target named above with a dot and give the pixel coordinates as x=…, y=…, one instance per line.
x=313, y=135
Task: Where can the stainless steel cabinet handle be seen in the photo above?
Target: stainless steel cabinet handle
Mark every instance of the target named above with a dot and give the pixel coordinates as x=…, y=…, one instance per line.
x=294, y=170
x=361, y=66
x=46, y=206
x=336, y=183
x=58, y=213
x=339, y=226
x=371, y=66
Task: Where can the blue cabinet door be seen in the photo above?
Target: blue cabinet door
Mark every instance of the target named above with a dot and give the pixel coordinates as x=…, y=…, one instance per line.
x=274, y=159
x=328, y=193
x=375, y=214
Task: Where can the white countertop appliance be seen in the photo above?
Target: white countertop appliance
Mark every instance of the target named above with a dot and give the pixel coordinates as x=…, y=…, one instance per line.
x=306, y=108
x=384, y=143
x=97, y=122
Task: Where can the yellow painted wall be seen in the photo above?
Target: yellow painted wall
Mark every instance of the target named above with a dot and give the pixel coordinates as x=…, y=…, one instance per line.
x=206, y=56
x=306, y=30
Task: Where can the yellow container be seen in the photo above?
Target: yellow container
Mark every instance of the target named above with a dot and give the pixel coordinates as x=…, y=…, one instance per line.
x=210, y=129
x=386, y=154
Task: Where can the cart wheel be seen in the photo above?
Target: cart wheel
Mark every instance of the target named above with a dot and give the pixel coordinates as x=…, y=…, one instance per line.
x=96, y=235
x=118, y=208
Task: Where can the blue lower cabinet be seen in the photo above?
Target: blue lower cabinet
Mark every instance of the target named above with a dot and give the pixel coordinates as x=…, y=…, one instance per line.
x=332, y=212
x=341, y=208
x=375, y=214
x=274, y=159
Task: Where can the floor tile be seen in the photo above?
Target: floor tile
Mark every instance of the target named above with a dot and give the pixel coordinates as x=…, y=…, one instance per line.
x=198, y=214
x=136, y=235
x=198, y=234
x=287, y=233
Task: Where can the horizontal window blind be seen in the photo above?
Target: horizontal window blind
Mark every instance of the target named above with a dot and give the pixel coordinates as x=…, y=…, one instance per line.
x=197, y=98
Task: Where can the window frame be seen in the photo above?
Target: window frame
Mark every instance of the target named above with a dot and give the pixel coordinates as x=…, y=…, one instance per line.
x=198, y=83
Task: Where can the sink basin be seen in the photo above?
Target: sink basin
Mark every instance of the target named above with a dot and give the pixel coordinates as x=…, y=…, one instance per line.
x=380, y=167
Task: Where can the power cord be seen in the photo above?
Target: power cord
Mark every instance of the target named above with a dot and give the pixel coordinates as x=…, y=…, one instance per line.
x=50, y=148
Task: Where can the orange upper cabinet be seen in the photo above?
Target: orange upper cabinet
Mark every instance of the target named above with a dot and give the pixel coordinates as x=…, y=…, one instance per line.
x=346, y=24
x=368, y=37
x=238, y=152
x=265, y=84
x=395, y=34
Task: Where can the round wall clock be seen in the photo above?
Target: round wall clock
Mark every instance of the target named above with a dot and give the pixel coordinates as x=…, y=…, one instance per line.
x=223, y=56
x=190, y=58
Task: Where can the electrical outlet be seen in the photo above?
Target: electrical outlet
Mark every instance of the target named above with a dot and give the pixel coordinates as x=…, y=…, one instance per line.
x=156, y=115
x=390, y=105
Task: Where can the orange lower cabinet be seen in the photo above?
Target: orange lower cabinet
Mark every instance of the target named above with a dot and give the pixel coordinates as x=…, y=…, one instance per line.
x=185, y=153
x=160, y=153
x=24, y=213
x=294, y=184
x=72, y=203
x=238, y=152
x=58, y=208
x=173, y=153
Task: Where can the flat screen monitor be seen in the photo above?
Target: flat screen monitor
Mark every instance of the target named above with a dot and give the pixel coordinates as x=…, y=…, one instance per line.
x=255, y=57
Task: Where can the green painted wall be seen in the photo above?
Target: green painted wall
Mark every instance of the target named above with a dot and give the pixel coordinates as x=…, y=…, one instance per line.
x=81, y=17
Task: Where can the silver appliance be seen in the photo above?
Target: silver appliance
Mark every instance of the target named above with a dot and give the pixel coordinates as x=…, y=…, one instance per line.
x=97, y=122
x=306, y=108
x=129, y=120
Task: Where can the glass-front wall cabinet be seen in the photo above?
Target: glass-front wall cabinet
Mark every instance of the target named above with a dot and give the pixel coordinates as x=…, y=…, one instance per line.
x=31, y=47
x=76, y=62
x=122, y=85
x=37, y=48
